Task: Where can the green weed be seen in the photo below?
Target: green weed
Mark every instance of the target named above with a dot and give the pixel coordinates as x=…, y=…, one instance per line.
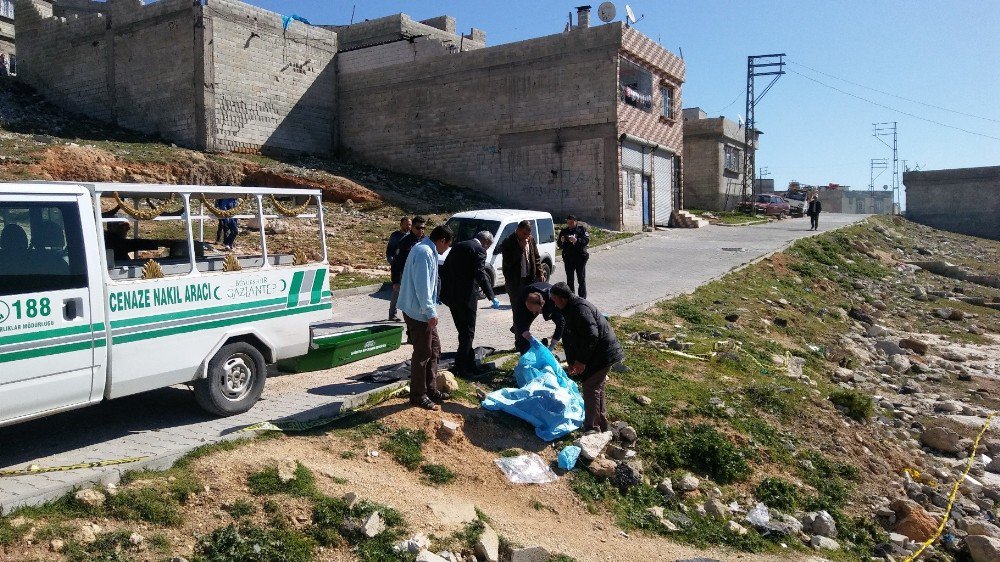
x=240, y=508
x=148, y=503
x=704, y=449
x=239, y=544
x=437, y=474
x=267, y=482
x=405, y=445
x=858, y=406
x=778, y=494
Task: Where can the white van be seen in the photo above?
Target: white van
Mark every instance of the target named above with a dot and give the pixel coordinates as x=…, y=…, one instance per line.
x=502, y=223
x=88, y=313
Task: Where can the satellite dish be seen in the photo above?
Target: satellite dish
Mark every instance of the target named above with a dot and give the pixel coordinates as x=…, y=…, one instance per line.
x=629, y=14
x=606, y=11
x=885, y=187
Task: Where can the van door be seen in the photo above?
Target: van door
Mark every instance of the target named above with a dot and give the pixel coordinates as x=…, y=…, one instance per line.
x=47, y=331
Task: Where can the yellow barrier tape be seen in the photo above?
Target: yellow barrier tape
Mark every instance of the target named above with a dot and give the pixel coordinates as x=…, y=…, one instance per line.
x=43, y=469
x=954, y=492
x=294, y=426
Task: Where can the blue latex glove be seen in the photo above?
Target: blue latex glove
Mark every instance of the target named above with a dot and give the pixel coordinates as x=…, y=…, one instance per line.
x=496, y=303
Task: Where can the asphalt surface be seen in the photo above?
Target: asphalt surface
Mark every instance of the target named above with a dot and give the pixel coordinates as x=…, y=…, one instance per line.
x=164, y=424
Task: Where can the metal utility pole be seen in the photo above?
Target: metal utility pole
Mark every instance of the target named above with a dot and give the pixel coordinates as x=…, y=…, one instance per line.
x=882, y=132
x=880, y=165
x=757, y=65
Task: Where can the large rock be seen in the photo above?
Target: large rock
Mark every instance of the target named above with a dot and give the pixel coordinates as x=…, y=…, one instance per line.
x=899, y=363
x=982, y=548
x=446, y=382
x=715, y=508
x=91, y=498
x=447, y=430
x=428, y=556
x=912, y=521
x=994, y=465
x=627, y=476
x=980, y=527
x=530, y=554
x=488, y=545
x=823, y=543
x=688, y=483
x=916, y=346
x=602, y=467
x=889, y=347
x=942, y=439
x=373, y=525
x=824, y=525
x=593, y=445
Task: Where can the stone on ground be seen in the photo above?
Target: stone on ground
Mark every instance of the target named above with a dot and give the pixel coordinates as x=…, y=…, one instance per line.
x=593, y=445
x=446, y=382
x=942, y=439
x=488, y=545
x=530, y=554
x=373, y=525
x=428, y=556
x=823, y=543
x=91, y=498
x=983, y=549
x=453, y=513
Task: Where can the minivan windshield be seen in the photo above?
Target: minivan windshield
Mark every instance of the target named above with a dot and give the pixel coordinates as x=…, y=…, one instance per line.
x=466, y=228
x=796, y=195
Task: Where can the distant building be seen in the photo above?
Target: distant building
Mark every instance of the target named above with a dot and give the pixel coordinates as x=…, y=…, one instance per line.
x=713, y=161
x=7, y=35
x=842, y=199
x=763, y=185
x=964, y=200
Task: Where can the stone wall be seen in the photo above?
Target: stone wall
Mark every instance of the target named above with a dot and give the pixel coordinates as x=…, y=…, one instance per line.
x=964, y=200
x=532, y=124
x=388, y=54
x=271, y=89
x=702, y=173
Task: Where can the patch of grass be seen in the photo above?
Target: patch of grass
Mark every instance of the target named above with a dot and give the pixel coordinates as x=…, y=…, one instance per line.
x=509, y=453
x=9, y=534
x=469, y=535
x=240, y=508
x=561, y=558
x=707, y=531
x=347, y=455
x=704, y=449
x=334, y=522
x=858, y=406
x=271, y=507
x=249, y=542
x=437, y=474
x=406, y=446
x=159, y=542
x=600, y=236
x=147, y=503
x=267, y=482
x=109, y=547
x=777, y=493
x=352, y=280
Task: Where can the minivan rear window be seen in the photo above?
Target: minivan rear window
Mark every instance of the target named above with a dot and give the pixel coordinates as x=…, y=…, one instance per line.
x=546, y=231
x=466, y=228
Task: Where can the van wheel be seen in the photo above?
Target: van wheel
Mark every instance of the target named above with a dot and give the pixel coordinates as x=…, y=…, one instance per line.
x=235, y=380
x=547, y=271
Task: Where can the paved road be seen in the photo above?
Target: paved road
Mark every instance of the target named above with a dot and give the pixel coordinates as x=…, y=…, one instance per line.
x=166, y=423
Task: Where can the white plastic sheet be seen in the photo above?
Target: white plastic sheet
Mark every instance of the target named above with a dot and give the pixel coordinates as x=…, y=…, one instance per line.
x=526, y=469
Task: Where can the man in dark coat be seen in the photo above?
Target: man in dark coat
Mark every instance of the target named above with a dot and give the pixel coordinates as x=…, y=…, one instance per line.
x=521, y=263
x=390, y=252
x=573, y=240
x=462, y=271
x=815, y=207
x=403, y=248
x=537, y=300
x=591, y=349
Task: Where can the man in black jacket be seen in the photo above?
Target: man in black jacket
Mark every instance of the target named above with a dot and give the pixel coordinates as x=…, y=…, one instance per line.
x=462, y=271
x=537, y=299
x=591, y=349
x=815, y=207
x=403, y=248
x=573, y=240
x=390, y=252
x=521, y=264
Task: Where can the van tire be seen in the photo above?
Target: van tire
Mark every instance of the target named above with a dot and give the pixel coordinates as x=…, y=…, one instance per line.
x=547, y=270
x=492, y=276
x=235, y=381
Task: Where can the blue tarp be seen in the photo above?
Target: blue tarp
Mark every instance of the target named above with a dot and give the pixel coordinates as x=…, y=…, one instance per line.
x=285, y=20
x=546, y=397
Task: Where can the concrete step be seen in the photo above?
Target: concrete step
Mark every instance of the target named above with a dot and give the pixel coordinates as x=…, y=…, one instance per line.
x=684, y=219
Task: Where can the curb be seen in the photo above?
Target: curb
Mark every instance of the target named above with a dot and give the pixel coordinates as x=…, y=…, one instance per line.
x=634, y=238
x=741, y=224
x=642, y=307
x=113, y=475
x=355, y=291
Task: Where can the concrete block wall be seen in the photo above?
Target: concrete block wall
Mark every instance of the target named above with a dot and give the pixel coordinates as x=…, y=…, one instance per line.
x=401, y=26
x=703, y=157
x=66, y=59
x=388, y=54
x=530, y=123
x=154, y=68
x=964, y=200
x=269, y=89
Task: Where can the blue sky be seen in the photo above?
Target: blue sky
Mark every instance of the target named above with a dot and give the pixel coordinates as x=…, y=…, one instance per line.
x=940, y=53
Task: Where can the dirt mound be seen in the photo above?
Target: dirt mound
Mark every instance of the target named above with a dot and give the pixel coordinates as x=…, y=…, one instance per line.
x=336, y=189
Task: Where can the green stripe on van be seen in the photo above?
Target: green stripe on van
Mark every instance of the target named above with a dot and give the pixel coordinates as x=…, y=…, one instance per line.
x=152, y=334
x=317, y=289
x=140, y=320
x=293, y=291
x=51, y=350
x=48, y=334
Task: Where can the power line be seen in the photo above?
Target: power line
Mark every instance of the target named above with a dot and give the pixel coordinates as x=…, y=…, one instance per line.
x=900, y=111
x=730, y=104
x=895, y=95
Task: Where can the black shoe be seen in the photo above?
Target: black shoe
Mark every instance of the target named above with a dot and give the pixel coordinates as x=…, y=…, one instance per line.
x=438, y=397
x=424, y=402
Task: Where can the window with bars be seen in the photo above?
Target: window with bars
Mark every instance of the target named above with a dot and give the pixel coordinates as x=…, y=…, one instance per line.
x=635, y=85
x=733, y=158
x=667, y=101
x=7, y=8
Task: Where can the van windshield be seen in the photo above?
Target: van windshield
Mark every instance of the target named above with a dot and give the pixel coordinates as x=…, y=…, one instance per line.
x=466, y=228
x=796, y=195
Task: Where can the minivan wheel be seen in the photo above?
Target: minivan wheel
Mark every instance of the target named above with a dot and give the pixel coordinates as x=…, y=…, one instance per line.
x=492, y=276
x=547, y=270
x=235, y=381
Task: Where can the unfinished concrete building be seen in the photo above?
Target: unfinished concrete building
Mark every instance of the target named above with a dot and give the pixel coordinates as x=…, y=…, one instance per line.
x=7, y=50
x=713, y=161
x=842, y=199
x=964, y=200
x=213, y=75
x=583, y=122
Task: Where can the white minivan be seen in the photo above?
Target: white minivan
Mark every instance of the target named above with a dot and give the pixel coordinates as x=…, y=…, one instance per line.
x=90, y=313
x=502, y=223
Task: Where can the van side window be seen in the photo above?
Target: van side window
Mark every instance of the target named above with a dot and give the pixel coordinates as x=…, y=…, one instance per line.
x=507, y=231
x=41, y=248
x=546, y=231
x=139, y=229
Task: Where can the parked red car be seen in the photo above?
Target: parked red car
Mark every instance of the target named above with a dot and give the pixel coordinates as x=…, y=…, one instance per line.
x=770, y=204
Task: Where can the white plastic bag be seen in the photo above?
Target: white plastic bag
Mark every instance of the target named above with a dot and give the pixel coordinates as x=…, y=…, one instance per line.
x=526, y=469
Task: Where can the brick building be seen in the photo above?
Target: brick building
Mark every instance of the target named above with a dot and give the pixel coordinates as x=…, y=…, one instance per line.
x=964, y=200
x=585, y=121
x=713, y=161
x=842, y=199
